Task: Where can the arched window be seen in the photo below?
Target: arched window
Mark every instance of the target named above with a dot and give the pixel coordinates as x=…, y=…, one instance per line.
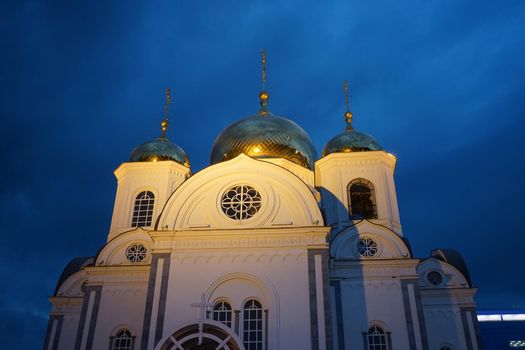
x=252, y=333
x=143, y=209
x=376, y=339
x=361, y=200
x=122, y=340
x=222, y=312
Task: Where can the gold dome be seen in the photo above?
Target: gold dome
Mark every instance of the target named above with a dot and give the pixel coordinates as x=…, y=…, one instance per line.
x=265, y=136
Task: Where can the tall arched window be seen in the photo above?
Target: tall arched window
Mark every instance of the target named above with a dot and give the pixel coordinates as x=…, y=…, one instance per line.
x=376, y=339
x=361, y=199
x=143, y=209
x=222, y=312
x=122, y=340
x=252, y=333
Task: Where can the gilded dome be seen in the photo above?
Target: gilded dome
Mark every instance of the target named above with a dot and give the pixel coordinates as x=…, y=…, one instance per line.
x=351, y=140
x=157, y=150
x=265, y=135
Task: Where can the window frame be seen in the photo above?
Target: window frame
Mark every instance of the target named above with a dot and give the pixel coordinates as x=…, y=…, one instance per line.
x=115, y=337
x=385, y=344
x=253, y=345
x=371, y=187
x=228, y=311
x=136, y=218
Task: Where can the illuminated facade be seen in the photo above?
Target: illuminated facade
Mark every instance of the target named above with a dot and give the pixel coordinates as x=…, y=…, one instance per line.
x=268, y=248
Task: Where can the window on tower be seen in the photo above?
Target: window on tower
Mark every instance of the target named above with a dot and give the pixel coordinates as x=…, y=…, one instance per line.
x=252, y=332
x=123, y=340
x=143, y=209
x=361, y=200
x=222, y=312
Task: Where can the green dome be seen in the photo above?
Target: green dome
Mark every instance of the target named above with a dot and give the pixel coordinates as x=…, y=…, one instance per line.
x=265, y=136
x=157, y=150
x=351, y=140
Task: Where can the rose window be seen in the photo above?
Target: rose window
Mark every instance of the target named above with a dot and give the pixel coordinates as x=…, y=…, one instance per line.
x=136, y=253
x=241, y=202
x=366, y=247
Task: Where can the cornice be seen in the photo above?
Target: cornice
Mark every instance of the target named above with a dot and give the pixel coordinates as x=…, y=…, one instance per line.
x=151, y=168
x=374, y=269
x=118, y=274
x=358, y=158
x=311, y=237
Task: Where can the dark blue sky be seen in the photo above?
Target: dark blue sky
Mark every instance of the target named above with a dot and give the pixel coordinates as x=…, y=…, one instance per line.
x=439, y=83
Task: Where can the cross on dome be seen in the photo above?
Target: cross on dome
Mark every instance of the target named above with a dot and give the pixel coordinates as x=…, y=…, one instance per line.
x=263, y=95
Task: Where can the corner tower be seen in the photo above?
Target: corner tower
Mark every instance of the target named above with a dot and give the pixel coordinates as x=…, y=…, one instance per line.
x=356, y=179
x=155, y=170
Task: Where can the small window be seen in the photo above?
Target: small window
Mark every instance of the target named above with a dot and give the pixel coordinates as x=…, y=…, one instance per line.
x=252, y=334
x=143, y=209
x=376, y=339
x=361, y=200
x=122, y=340
x=222, y=312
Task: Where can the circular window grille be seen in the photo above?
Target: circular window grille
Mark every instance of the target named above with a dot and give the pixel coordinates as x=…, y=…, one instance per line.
x=241, y=202
x=367, y=247
x=136, y=253
x=434, y=278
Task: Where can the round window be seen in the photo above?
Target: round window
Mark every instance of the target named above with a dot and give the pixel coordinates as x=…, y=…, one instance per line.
x=136, y=253
x=241, y=202
x=434, y=278
x=366, y=247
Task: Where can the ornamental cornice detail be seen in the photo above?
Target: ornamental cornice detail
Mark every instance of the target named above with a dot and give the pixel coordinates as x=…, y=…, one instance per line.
x=359, y=162
x=118, y=274
x=259, y=258
x=238, y=242
x=376, y=284
x=138, y=277
x=124, y=292
x=386, y=272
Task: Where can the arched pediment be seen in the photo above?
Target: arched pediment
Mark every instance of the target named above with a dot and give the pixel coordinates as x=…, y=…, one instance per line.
x=388, y=244
x=451, y=277
x=114, y=252
x=285, y=200
x=72, y=286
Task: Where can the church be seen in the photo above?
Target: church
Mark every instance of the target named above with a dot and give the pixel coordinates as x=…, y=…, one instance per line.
x=270, y=247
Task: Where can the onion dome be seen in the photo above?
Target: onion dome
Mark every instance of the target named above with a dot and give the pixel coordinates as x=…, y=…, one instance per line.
x=350, y=140
x=160, y=148
x=265, y=135
x=157, y=150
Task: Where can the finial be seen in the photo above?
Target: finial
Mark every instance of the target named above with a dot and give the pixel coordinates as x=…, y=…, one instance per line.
x=164, y=124
x=348, y=114
x=263, y=95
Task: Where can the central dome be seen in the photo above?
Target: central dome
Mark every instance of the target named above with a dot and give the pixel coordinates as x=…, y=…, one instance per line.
x=265, y=136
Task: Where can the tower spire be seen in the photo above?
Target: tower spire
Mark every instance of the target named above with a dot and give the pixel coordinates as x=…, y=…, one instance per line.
x=164, y=124
x=348, y=114
x=263, y=95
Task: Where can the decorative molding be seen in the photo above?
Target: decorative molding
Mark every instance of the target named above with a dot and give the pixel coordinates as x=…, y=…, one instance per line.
x=127, y=274
x=225, y=257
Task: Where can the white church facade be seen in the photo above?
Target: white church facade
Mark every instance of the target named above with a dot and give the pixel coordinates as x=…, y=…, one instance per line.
x=268, y=248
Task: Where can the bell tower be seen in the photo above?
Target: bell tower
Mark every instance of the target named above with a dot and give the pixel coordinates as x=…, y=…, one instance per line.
x=356, y=179
x=155, y=170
